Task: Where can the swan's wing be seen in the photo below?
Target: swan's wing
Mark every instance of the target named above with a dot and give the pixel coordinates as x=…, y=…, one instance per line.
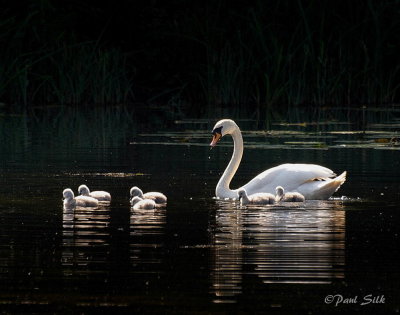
x=289, y=176
x=322, y=189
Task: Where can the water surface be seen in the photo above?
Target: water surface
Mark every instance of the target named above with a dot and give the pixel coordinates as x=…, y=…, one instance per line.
x=198, y=253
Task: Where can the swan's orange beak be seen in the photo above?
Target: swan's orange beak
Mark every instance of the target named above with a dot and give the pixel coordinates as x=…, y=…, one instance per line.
x=215, y=139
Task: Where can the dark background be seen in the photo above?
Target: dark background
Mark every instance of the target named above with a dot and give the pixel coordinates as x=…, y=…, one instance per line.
x=193, y=56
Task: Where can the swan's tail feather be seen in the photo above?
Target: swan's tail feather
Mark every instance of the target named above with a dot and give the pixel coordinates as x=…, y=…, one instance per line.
x=332, y=186
x=340, y=179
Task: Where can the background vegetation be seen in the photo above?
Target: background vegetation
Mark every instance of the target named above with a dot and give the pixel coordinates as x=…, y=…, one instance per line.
x=193, y=57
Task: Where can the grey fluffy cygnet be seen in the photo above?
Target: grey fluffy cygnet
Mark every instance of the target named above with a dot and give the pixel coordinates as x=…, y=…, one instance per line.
x=138, y=203
x=257, y=198
x=80, y=201
x=100, y=195
x=288, y=196
x=159, y=198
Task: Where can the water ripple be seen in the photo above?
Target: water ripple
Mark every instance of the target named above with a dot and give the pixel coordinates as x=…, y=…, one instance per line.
x=277, y=244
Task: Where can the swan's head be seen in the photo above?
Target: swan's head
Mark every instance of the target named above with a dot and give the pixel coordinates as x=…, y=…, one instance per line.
x=135, y=200
x=242, y=193
x=222, y=128
x=83, y=190
x=68, y=193
x=279, y=192
x=136, y=191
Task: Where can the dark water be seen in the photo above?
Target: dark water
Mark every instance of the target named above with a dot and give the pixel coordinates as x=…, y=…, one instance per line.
x=198, y=254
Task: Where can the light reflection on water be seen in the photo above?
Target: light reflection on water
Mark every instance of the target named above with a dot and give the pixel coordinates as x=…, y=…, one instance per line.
x=85, y=242
x=198, y=250
x=304, y=244
x=146, y=234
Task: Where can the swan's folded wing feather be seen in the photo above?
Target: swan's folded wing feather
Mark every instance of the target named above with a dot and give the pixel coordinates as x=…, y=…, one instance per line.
x=289, y=176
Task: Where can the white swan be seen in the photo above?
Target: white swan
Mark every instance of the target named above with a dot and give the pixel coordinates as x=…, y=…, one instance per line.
x=290, y=196
x=312, y=181
x=158, y=197
x=99, y=195
x=142, y=204
x=80, y=201
x=257, y=198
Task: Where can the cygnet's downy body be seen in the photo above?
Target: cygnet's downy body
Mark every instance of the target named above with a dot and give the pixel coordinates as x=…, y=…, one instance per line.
x=159, y=198
x=100, y=195
x=282, y=196
x=138, y=203
x=257, y=198
x=80, y=201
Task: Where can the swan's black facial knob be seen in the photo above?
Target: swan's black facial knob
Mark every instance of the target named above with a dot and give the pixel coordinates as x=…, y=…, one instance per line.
x=217, y=130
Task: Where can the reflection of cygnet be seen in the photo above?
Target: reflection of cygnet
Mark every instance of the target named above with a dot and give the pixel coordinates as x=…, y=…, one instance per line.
x=287, y=197
x=156, y=196
x=83, y=190
x=80, y=201
x=142, y=204
x=257, y=198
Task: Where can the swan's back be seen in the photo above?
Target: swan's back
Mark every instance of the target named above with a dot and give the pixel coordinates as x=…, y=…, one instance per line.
x=287, y=175
x=311, y=180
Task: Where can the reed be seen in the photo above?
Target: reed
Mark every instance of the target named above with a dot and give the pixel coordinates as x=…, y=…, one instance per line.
x=220, y=57
x=307, y=63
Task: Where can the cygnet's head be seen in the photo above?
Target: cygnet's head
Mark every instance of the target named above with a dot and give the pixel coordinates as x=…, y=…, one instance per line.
x=83, y=190
x=279, y=190
x=222, y=128
x=135, y=200
x=242, y=193
x=136, y=191
x=68, y=193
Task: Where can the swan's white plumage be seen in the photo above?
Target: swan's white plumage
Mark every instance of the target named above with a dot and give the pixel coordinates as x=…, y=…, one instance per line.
x=311, y=180
x=257, y=198
x=99, y=195
x=142, y=204
x=159, y=198
x=80, y=201
x=283, y=196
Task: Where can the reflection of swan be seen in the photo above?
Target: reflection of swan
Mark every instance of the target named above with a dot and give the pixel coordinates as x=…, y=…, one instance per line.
x=313, y=181
x=156, y=196
x=290, y=196
x=145, y=204
x=278, y=244
x=80, y=201
x=258, y=198
x=99, y=195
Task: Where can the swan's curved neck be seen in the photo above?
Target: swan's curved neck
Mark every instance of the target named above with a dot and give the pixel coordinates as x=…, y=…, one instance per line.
x=223, y=190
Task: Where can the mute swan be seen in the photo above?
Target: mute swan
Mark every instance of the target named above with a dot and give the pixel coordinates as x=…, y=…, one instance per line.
x=99, y=195
x=311, y=180
x=80, y=201
x=290, y=196
x=257, y=198
x=156, y=196
x=138, y=203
